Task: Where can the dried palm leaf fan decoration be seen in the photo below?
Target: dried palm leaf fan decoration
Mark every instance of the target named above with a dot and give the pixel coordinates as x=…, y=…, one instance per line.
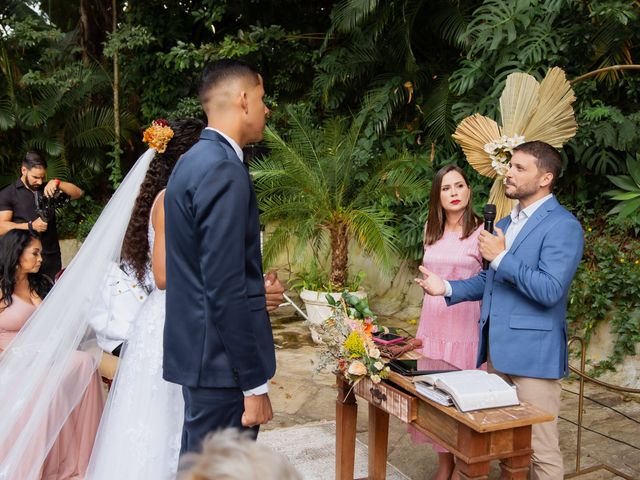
x=530, y=111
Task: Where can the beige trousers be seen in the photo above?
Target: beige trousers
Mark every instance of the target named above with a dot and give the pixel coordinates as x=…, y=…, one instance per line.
x=546, y=461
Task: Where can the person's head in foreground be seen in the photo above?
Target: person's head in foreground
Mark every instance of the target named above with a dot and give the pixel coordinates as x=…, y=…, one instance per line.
x=232, y=455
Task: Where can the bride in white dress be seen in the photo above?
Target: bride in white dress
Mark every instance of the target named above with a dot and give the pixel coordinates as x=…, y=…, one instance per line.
x=140, y=431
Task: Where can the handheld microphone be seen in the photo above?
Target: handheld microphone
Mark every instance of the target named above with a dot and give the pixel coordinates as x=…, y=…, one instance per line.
x=489, y=214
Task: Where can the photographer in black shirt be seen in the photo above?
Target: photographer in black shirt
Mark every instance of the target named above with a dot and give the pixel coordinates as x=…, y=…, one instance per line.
x=30, y=203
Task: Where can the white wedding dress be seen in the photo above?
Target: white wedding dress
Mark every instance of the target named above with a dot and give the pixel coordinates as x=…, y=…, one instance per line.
x=140, y=431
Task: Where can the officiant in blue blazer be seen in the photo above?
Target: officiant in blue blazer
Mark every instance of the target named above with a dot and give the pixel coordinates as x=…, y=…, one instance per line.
x=218, y=342
x=534, y=255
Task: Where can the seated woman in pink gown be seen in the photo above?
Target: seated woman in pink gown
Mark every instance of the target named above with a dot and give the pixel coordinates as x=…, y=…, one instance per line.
x=450, y=250
x=22, y=289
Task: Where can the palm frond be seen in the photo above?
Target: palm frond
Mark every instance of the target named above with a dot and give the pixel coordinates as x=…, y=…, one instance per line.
x=371, y=229
x=277, y=242
x=452, y=22
x=43, y=106
x=395, y=178
x=383, y=99
x=438, y=117
x=45, y=141
x=91, y=128
x=58, y=168
x=350, y=13
x=7, y=114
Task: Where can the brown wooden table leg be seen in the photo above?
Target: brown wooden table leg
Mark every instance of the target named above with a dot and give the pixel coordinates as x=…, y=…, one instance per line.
x=473, y=444
x=346, y=418
x=472, y=471
x=517, y=467
x=378, y=440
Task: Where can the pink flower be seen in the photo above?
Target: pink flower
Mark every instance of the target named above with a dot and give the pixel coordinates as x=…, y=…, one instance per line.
x=357, y=369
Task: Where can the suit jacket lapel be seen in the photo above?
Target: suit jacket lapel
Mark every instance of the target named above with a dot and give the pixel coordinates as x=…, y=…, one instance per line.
x=208, y=134
x=504, y=223
x=534, y=221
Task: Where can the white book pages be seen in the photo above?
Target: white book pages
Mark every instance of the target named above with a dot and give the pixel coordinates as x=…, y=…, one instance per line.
x=472, y=389
x=433, y=394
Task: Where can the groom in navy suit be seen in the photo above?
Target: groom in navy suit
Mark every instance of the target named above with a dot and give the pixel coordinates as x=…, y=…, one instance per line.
x=218, y=342
x=523, y=328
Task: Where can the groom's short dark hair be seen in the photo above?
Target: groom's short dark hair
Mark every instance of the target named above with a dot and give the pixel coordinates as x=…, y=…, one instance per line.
x=222, y=70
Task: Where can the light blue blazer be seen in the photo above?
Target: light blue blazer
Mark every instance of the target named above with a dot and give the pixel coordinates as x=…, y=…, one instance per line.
x=524, y=302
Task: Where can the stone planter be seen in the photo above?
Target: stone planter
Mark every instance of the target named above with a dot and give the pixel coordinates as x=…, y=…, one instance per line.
x=318, y=309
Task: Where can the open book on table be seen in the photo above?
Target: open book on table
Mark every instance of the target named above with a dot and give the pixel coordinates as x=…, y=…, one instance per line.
x=467, y=389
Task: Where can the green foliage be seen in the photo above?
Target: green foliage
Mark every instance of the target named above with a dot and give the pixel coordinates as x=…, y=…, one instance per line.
x=76, y=219
x=606, y=288
x=51, y=107
x=355, y=307
x=386, y=56
x=114, y=167
x=628, y=192
x=605, y=137
x=127, y=38
x=316, y=278
x=308, y=187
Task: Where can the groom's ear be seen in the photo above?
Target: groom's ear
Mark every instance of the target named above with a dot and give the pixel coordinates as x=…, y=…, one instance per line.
x=244, y=101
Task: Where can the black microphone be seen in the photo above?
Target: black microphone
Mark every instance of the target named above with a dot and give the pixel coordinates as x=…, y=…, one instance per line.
x=489, y=214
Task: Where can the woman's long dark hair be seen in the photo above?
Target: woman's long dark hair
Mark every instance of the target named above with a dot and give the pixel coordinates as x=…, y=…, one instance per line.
x=436, y=220
x=12, y=246
x=135, y=247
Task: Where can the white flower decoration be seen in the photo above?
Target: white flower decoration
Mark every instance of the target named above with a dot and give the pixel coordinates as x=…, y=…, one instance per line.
x=500, y=152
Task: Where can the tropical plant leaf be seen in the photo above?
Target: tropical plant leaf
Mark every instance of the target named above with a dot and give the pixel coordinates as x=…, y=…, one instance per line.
x=626, y=196
x=624, y=182
x=350, y=13
x=7, y=115
x=633, y=167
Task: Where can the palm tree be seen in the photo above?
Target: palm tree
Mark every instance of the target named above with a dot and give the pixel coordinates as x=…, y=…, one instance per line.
x=394, y=58
x=52, y=103
x=310, y=186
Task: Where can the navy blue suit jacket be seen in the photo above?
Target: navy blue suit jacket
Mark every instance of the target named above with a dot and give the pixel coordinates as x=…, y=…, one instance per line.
x=217, y=332
x=524, y=302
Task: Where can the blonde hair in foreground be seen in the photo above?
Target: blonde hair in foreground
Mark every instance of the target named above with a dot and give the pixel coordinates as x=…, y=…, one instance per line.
x=232, y=455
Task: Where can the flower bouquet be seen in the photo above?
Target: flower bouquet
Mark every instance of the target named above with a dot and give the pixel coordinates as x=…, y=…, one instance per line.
x=347, y=336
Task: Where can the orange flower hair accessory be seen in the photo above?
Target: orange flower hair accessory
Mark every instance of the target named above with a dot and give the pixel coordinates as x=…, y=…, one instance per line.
x=158, y=135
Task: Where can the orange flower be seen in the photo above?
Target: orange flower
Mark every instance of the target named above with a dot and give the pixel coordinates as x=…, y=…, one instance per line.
x=158, y=135
x=368, y=328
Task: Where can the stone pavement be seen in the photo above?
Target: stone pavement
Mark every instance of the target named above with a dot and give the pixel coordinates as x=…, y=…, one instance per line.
x=299, y=396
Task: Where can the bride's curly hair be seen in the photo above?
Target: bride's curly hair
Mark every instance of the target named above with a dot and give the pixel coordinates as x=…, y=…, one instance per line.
x=135, y=247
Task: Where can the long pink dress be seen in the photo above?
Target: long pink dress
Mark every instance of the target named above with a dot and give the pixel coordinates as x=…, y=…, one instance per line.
x=69, y=455
x=450, y=333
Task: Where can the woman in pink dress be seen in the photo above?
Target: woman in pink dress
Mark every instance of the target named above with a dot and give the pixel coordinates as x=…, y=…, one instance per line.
x=22, y=289
x=451, y=251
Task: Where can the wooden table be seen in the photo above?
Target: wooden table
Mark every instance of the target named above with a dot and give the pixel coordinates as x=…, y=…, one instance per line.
x=475, y=438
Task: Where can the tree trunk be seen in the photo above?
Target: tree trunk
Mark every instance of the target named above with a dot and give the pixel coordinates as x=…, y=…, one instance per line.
x=339, y=255
x=116, y=85
x=93, y=27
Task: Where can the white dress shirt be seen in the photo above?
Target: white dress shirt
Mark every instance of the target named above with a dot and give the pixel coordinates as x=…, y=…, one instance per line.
x=519, y=218
x=264, y=388
x=231, y=141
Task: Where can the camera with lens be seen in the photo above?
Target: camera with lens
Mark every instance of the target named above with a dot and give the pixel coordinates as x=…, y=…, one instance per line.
x=46, y=206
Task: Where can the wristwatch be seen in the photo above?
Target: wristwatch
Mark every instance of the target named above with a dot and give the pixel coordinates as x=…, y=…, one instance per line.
x=30, y=225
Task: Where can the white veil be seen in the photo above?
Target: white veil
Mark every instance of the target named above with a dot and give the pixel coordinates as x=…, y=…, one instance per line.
x=33, y=366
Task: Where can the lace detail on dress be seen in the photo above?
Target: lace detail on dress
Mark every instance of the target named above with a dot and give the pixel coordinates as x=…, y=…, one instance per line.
x=141, y=428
